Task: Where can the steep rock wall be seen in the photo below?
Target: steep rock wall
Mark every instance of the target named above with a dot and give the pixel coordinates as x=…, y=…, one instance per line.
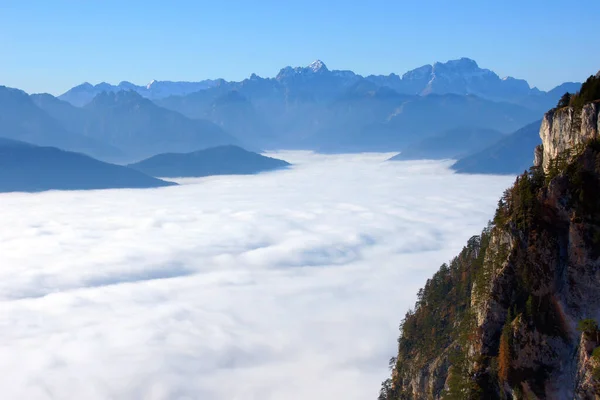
x=567, y=129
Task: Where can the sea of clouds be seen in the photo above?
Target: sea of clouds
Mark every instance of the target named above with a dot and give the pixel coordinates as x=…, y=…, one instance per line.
x=285, y=285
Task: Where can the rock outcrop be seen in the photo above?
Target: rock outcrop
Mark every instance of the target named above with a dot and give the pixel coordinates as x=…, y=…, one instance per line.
x=565, y=130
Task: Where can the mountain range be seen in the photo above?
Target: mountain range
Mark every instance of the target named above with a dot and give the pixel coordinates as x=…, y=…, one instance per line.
x=462, y=76
x=310, y=107
x=128, y=121
x=337, y=111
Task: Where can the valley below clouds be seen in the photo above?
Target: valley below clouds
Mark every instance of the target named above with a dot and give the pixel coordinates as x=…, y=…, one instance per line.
x=283, y=285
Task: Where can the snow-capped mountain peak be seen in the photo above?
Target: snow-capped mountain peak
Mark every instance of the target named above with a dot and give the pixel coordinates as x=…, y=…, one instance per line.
x=317, y=66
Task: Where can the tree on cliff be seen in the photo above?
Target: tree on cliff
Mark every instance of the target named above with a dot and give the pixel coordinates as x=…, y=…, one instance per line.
x=590, y=91
x=564, y=101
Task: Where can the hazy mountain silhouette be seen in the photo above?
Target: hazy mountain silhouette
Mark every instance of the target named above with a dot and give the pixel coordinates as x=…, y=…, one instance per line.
x=415, y=118
x=28, y=168
x=513, y=154
x=453, y=143
x=222, y=160
x=140, y=127
x=309, y=107
x=330, y=112
x=316, y=82
x=230, y=110
x=135, y=124
x=22, y=119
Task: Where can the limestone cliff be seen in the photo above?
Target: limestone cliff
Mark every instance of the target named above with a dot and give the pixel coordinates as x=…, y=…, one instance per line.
x=565, y=130
x=514, y=315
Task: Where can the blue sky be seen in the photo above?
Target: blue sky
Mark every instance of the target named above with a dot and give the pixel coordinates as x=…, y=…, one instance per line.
x=50, y=46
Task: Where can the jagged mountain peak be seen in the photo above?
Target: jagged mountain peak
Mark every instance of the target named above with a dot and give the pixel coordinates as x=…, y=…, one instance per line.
x=317, y=66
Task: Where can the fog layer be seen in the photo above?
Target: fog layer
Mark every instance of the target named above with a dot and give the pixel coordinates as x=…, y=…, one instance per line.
x=284, y=285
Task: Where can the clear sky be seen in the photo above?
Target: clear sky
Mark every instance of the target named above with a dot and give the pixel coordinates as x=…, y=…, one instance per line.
x=52, y=45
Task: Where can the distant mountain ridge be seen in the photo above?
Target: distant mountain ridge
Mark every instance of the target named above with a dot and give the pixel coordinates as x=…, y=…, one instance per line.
x=462, y=76
x=128, y=121
x=312, y=108
x=28, y=168
x=329, y=110
x=510, y=155
x=222, y=160
x=22, y=119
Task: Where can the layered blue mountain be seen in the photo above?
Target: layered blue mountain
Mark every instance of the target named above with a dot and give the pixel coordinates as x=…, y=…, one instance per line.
x=510, y=155
x=454, y=143
x=135, y=124
x=21, y=119
x=414, y=119
x=462, y=76
x=316, y=108
x=28, y=168
x=229, y=109
x=222, y=160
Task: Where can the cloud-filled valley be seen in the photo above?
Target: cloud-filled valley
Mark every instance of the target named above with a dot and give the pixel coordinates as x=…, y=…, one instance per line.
x=282, y=285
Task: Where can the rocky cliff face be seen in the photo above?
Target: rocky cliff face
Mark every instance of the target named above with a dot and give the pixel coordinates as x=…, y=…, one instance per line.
x=565, y=130
x=514, y=315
